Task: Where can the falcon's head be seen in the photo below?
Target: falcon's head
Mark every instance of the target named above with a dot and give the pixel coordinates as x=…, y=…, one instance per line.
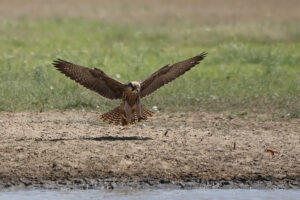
x=135, y=85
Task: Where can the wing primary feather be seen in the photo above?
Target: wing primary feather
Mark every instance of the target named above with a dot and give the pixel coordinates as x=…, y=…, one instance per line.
x=93, y=79
x=168, y=73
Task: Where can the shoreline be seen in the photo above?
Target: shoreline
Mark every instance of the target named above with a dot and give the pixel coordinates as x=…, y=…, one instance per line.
x=113, y=184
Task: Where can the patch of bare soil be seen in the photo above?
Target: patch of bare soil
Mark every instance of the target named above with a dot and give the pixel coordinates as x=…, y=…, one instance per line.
x=198, y=149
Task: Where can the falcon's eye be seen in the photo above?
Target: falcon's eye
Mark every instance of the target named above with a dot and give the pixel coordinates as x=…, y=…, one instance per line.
x=130, y=84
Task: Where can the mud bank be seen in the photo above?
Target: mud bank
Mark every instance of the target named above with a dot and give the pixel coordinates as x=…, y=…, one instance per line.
x=74, y=150
x=110, y=184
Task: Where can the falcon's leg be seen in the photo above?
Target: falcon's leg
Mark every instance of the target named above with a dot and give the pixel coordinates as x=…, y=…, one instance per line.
x=128, y=112
x=139, y=110
x=124, y=120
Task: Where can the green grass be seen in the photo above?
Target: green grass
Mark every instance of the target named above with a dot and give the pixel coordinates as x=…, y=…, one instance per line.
x=250, y=67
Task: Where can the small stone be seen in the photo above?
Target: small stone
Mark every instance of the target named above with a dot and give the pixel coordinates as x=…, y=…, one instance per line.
x=155, y=108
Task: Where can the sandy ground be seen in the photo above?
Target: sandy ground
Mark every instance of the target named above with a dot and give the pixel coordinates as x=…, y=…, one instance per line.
x=154, y=11
x=74, y=147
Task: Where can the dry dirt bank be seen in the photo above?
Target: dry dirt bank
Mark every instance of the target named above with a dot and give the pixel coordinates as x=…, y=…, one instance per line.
x=74, y=148
x=155, y=11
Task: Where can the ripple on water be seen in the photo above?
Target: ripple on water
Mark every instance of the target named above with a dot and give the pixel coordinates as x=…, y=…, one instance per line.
x=200, y=194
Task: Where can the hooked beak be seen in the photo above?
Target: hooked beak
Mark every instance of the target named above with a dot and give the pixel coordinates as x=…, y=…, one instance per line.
x=136, y=88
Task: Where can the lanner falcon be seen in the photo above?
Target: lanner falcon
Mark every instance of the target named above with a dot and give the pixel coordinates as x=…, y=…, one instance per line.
x=131, y=93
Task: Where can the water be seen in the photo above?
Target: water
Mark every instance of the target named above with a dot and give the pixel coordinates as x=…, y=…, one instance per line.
x=199, y=194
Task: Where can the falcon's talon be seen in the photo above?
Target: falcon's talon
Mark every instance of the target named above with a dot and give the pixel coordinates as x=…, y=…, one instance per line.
x=131, y=93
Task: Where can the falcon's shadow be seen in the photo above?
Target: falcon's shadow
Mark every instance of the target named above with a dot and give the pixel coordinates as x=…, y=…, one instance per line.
x=116, y=138
x=104, y=138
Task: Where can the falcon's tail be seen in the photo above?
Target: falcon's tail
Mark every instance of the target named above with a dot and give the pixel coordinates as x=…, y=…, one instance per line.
x=146, y=113
x=114, y=116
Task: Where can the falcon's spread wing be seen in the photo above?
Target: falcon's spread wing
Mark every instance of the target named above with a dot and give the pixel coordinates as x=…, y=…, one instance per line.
x=167, y=74
x=93, y=79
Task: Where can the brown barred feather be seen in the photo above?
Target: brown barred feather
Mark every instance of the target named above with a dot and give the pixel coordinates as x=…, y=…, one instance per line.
x=93, y=79
x=114, y=116
x=167, y=74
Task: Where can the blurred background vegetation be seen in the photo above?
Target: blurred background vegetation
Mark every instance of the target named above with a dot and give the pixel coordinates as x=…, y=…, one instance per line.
x=252, y=65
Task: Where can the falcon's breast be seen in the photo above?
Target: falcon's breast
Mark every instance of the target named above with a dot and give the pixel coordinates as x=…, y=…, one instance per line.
x=131, y=96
